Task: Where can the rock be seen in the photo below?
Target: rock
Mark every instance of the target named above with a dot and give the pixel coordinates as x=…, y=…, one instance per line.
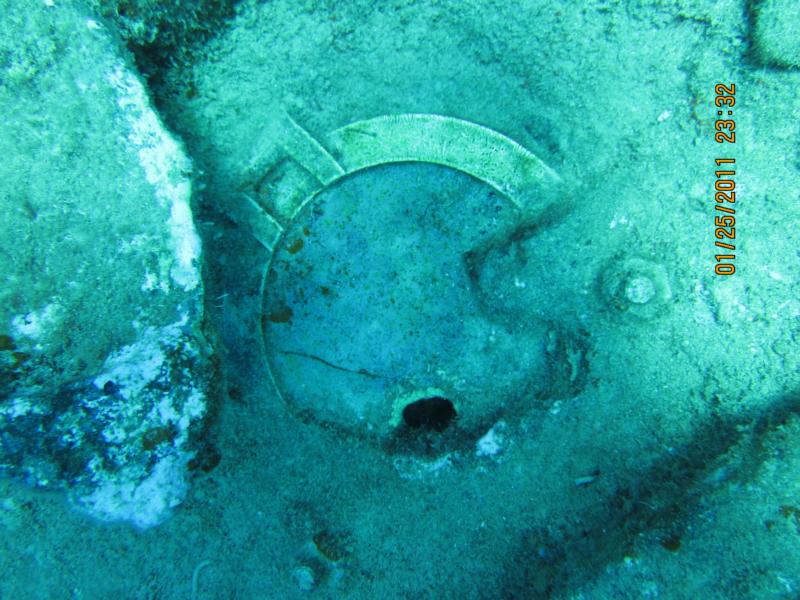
x=104, y=370
x=304, y=578
x=777, y=32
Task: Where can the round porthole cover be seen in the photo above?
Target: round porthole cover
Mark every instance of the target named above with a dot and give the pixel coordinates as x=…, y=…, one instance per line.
x=420, y=394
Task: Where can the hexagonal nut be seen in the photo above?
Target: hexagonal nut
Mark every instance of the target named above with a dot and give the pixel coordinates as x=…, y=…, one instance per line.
x=635, y=286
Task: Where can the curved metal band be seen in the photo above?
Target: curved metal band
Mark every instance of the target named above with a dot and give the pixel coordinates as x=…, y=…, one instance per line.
x=481, y=152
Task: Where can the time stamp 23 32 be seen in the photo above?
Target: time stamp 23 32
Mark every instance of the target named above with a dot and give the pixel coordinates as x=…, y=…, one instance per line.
x=725, y=184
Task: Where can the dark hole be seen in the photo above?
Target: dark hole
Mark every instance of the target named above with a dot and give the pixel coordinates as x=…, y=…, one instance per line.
x=429, y=413
x=206, y=459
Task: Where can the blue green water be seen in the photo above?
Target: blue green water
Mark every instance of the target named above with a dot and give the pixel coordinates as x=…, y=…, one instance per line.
x=399, y=299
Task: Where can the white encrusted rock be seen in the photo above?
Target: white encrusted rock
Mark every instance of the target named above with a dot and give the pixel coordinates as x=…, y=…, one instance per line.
x=104, y=371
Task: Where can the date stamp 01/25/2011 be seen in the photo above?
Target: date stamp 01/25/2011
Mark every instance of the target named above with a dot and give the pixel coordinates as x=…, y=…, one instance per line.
x=725, y=184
